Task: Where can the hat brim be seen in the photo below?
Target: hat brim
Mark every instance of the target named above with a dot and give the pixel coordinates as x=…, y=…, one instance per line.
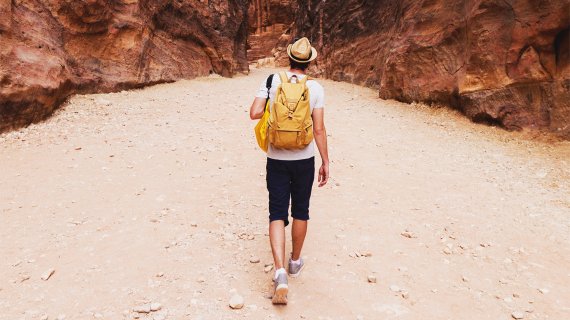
x=313, y=55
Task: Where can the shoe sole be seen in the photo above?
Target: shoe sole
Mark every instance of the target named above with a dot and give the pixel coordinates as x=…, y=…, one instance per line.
x=280, y=296
x=295, y=275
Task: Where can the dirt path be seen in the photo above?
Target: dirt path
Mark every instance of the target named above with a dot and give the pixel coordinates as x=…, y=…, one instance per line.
x=158, y=195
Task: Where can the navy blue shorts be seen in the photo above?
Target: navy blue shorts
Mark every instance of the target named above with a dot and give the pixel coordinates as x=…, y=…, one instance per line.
x=290, y=180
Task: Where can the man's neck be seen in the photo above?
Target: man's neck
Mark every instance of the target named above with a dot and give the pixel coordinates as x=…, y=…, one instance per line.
x=298, y=71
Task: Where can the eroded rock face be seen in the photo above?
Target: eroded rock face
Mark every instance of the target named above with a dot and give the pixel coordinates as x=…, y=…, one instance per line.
x=498, y=61
x=53, y=48
x=269, y=24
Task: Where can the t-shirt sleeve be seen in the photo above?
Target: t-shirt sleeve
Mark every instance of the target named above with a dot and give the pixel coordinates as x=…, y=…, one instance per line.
x=319, y=93
x=262, y=92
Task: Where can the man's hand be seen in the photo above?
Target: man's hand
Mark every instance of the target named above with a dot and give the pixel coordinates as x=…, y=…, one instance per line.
x=323, y=174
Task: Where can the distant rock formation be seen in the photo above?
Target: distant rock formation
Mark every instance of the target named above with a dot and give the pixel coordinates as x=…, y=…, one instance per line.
x=504, y=62
x=50, y=49
x=269, y=24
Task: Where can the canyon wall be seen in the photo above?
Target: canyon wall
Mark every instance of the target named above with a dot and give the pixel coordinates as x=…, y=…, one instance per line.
x=504, y=62
x=269, y=23
x=50, y=49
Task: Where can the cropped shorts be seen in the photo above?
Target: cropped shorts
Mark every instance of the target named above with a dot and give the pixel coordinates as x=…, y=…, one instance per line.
x=289, y=180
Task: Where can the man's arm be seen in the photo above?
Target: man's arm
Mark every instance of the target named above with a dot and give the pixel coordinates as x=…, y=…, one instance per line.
x=320, y=134
x=257, y=108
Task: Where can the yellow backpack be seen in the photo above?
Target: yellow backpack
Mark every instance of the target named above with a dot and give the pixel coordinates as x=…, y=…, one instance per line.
x=261, y=127
x=290, y=124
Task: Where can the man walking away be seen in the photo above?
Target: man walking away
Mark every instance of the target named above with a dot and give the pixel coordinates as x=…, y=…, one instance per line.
x=296, y=116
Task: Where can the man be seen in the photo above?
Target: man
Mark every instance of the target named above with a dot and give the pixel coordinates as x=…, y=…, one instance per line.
x=290, y=173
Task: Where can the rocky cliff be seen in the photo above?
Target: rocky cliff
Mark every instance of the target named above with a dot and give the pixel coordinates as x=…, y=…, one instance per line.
x=505, y=62
x=50, y=49
x=269, y=24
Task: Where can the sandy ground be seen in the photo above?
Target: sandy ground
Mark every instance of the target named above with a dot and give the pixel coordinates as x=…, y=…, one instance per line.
x=158, y=196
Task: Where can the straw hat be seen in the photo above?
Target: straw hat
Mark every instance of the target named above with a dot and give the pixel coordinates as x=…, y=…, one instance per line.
x=301, y=51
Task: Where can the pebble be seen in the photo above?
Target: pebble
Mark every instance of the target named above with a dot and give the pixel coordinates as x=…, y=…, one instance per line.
x=236, y=302
x=405, y=294
x=407, y=234
x=446, y=250
x=48, y=274
x=268, y=268
x=155, y=306
x=517, y=315
x=254, y=260
x=193, y=224
x=543, y=290
x=44, y=317
x=372, y=279
x=145, y=308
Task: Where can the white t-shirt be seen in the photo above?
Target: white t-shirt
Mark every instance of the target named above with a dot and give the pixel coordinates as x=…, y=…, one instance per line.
x=317, y=96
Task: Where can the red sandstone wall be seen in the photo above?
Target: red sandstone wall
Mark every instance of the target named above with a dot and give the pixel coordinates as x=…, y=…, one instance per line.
x=498, y=61
x=50, y=49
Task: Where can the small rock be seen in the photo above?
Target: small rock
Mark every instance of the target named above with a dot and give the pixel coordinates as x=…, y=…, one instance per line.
x=372, y=279
x=201, y=279
x=236, y=302
x=254, y=260
x=517, y=315
x=48, y=274
x=405, y=294
x=145, y=308
x=407, y=234
x=160, y=275
x=543, y=290
x=155, y=306
x=193, y=224
x=268, y=268
x=446, y=250
x=44, y=317
x=464, y=279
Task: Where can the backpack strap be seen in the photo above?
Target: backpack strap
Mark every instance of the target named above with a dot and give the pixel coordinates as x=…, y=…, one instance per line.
x=305, y=79
x=284, y=78
x=268, y=86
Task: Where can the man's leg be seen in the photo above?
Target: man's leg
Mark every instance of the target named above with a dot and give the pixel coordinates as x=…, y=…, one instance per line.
x=277, y=240
x=301, y=186
x=298, y=233
x=279, y=187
